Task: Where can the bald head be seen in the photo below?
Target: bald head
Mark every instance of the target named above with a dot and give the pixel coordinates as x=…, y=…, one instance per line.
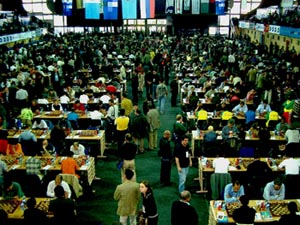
x=186, y=196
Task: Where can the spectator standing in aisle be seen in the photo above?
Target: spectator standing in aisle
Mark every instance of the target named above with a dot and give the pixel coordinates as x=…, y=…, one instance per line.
x=174, y=91
x=182, y=212
x=149, y=205
x=165, y=153
x=126, y=104
x=122, y=123
x=140, y=129
x=153, y=118
x=183, y=161
x=128, y=195
x=161, y=93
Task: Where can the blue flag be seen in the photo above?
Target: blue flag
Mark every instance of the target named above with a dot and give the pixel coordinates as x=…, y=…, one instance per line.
x=67, y=7
x=92, y=9
x=110, y=9
x=129, y=10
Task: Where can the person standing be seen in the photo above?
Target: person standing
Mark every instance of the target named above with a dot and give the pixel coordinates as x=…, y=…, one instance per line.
x=128, y=195
x=161, y=93
x=182, y=212
x=140, y=128
x=174, y=91
x=149, y=205
x=154, y=123
x=126, y=104
x=183, y=161
x=127, y=153
x=122, y=123
x=135, y=87
x=165, y=153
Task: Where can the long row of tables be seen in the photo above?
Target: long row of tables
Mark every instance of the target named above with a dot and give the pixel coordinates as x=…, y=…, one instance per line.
x=75, y=135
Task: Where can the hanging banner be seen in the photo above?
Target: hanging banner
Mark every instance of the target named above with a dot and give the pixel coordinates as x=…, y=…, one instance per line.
x=195, y=7
x=178, y=6
x=220, y=7
x=170, y=6
x=147, y=8
x=244, y=4
x=186, y=5
x=110, y=9
x=129, y=9
x=204, y=7
x=92, y=9
x=67, y=7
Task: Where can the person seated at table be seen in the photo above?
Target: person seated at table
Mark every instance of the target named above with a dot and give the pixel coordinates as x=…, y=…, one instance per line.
x=78, y=107
x=240, y=109
x=292, y=218
x=281, y=127
x=26, y=115
x=221, y=164
x=274, y=190
x=63, y=209
x=233, y=192
x=210, y=136
x=34, y=215
x=230, y=130
x=11, y=189
x=64, y=101
x=244, y=214
x=210, y=93
x=57, y=138
x=14, y=148
x=58, y=181
x=84, y=98
x=56, y=106
x=3, y=139
x=192, y=101
x=35, y=107
x=52, y=94
x=77, y=149
x=292, y=135
x=253, y=131
x=28, y=141
x=249, y=116
x=47, y=149
x=263, y=108
x=3, y=217
x=222, y=107
x=69, y=165
x=39, y=124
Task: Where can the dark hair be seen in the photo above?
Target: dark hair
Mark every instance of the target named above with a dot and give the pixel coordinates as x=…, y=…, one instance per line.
x=69, y=153
x=129, y=174
x=31, y=203
x=292, y=206
x=244, y=200
x=59, y=191
x=278, y=181
x=122, y=112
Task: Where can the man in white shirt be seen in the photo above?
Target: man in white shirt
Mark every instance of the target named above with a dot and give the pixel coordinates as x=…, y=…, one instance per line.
x=64, y=101
x=84, y=98
x=58, y=181
x=39, y=124
x=77, y=149
x=221, y=165
x=291, y=166
x=105, y=98
x=240, y=109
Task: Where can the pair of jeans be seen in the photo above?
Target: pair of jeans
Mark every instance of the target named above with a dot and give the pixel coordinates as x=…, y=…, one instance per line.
x=161, y=103
x=182, y=178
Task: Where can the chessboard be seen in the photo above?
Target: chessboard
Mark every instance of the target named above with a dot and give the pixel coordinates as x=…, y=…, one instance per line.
x=44, y=206
x=279, y=208
x=230, y=207
x=88, y=133
x=54, y=113
x=247, y=162
x=9, y=160
x=38, y=132
x=45, y=161
x=9, y=206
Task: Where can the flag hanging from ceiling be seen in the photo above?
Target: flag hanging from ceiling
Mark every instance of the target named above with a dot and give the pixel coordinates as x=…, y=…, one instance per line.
x=204, y=6
x=178, y=6
x=79, y=4
x=147, y=8
x=92, y=9
x=110, y=9
x=67, y=7
x=195, y=6
x=129, y=10
x=186, y=5
x=220, y=7
x=170, y=6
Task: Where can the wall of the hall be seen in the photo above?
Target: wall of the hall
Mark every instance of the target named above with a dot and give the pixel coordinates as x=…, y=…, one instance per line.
x=267, y=38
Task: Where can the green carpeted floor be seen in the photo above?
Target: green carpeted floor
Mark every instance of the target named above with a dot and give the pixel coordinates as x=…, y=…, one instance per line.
x=100, y=207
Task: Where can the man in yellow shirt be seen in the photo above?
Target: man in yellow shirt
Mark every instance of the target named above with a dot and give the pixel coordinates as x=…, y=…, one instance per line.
x=126, y=104
x=121, y=123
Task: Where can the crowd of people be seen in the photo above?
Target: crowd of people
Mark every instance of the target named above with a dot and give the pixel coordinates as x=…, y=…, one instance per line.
x=75, y=68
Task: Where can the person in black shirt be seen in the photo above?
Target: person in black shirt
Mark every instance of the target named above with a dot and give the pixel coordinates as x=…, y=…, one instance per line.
x=33, y=215
x=182, y=212
x=127, y=153
x=292, y=218
x=165, y=153
x=174, y=91
x=244, y=214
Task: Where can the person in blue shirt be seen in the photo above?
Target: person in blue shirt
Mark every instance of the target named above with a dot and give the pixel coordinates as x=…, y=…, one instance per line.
x=250, y=117
x=229, y=130
x=240, y=109
x=233, y=192
x=263, y=108
x=274, y=190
